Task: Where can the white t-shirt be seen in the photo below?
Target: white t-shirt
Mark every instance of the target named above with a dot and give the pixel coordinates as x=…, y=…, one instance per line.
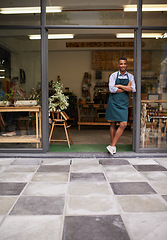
x=113, y=77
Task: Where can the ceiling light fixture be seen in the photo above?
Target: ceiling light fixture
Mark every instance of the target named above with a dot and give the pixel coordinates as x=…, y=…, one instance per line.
x=146, y=8
x=25, y=10
x=144, y=35
x=52, y=36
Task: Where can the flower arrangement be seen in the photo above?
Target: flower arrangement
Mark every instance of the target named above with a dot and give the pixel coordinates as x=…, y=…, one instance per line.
x=58, y=101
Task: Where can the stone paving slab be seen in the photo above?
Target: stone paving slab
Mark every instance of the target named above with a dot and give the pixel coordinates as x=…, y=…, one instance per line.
x=83, y=198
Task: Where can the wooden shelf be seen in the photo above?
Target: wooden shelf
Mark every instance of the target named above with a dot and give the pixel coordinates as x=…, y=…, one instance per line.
x=20, y=139
x=94, y=123
x=25, y=138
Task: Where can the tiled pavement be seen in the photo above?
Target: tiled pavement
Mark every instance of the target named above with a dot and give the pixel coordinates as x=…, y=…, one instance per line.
x=83, y=199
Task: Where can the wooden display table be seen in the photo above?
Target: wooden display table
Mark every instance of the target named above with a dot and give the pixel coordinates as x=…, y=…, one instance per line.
x=88, y=107
x=24, y=138
x=96, y=120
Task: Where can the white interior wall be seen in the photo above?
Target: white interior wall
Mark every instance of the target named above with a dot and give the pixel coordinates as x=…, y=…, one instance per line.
x=30, y=62
x=71, y=66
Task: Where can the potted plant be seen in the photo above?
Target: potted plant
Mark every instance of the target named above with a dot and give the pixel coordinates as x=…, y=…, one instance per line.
x=31, y=100
x=6, y=99
x=58, y=101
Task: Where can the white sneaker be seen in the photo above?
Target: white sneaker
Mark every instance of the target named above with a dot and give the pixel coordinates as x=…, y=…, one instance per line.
x=111, y=149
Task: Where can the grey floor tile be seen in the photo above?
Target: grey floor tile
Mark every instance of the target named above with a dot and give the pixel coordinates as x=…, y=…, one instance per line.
x=165, y=197
x=161, y=161
x=142, y=161
x=22, y=168
x=11, y=188
x=6, y=203
x=85, y=161
x=1, y=218
x=127, y=188
x=94, y=228
x=97, y=177
x=54, y=168
x=149, y=168
x=117, y=161
x=89, y=189
x=155, y=176
x=31, y=227
x=50, y=177
x=159, y=186
x=124, y=177
x=45, y=189
x=6, y=161
x=39, y=206
x=142, y=203
x=146, y=226
x=27, y=161
x=56, y=161
x=15, y=176
x=91, y=205
x=2, y=168
x=86, y=168
x=118, y=168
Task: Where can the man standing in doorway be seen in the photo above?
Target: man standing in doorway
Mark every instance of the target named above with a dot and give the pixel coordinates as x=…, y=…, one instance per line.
x=120, y=84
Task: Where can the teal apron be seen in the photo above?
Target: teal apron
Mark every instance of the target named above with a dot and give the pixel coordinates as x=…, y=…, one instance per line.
x=118, y=103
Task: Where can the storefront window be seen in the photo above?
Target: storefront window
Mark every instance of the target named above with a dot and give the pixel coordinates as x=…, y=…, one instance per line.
x=154, y=93
x=154, y=13
x=91, y=13
x=20, y=12
x=20, y=89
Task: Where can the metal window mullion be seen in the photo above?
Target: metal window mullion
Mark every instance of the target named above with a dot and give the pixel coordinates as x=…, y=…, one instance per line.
x=134, y=95
x=154, y=28
x=138, y=74
x=44, y=79
x=90, y=27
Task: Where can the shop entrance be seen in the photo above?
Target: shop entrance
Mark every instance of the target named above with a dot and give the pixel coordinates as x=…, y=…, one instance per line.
x=82, y=68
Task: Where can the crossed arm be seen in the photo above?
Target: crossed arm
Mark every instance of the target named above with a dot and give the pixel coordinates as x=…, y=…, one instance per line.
x=122, y=88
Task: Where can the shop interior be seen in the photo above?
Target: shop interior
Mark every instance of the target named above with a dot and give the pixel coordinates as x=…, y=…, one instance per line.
x=82, y=66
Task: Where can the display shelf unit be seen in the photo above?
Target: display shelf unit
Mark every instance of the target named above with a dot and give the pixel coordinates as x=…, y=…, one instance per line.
x=24, y=138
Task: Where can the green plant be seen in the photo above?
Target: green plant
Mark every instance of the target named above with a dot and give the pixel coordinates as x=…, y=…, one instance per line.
x=9, y=96
x=58, y=101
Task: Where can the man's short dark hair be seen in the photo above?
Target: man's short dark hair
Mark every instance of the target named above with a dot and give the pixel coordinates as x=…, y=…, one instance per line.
x=122, y=58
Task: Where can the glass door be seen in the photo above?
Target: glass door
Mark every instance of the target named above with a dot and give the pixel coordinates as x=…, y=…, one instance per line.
x=82, y=66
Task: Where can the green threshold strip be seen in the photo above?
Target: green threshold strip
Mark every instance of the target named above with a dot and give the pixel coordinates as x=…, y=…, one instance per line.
x=88, y=148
